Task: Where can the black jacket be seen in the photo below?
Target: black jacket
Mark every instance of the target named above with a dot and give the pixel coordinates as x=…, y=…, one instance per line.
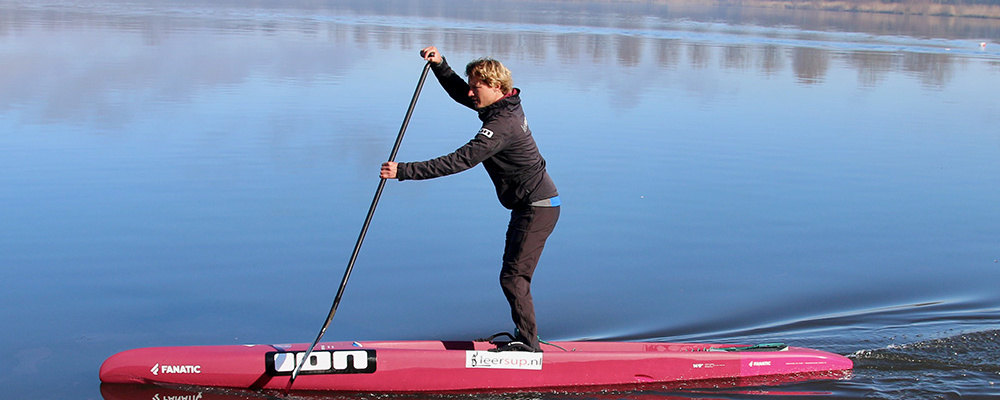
x=503, y=145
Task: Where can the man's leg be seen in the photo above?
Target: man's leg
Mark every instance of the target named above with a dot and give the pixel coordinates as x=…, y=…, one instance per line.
x=526, y=234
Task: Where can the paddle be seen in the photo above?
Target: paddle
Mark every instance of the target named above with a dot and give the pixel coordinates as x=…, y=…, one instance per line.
x=364, y=230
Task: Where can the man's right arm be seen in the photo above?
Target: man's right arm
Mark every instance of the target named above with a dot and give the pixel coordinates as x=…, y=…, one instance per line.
x=452, y=83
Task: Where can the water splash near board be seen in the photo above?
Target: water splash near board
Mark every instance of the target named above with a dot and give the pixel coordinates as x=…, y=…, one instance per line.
x=947, y=366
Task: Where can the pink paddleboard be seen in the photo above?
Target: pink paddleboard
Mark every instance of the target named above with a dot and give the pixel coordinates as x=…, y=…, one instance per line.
x=466, y=366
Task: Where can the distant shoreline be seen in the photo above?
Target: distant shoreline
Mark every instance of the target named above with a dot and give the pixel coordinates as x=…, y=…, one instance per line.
x=912, y=7
x=924, y=8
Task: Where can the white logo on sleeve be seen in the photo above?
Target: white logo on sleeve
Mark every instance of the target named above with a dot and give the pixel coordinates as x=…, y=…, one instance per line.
x=486, y=132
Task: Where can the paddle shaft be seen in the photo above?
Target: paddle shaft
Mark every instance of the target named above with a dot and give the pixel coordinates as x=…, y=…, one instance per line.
x=364, y=231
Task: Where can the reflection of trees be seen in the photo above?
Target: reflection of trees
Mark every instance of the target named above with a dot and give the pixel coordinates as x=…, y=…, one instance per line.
x=595, y=38
x=736, y=57
x=770, y=61
x=568, y=48
x=810, y=64
x=668, y=52
x=629, y=50
x=534, y=45
x=599, y=47
x=933, y=69
x=699, y=55
x=872, y=67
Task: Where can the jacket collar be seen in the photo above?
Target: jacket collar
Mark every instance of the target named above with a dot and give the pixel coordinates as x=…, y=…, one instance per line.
x=511, y=100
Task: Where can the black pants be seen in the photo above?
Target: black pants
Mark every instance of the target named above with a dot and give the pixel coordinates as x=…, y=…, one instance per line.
x=526, y=234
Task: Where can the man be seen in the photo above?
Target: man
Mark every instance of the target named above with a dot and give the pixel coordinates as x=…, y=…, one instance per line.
x=506, y=149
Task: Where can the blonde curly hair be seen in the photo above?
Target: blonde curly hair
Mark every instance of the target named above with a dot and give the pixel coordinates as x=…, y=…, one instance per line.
x=491, y=72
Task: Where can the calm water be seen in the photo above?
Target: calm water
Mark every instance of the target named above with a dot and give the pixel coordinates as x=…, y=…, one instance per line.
x=180, y=173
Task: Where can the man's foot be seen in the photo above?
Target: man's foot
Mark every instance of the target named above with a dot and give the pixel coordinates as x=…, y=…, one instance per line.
x=496, y=335
x=515, y=346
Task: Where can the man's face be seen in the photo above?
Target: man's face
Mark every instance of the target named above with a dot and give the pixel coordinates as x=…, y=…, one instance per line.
x=483, y=95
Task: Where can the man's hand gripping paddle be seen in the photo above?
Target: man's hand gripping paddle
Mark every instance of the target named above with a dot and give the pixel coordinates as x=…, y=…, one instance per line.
x=364, y=230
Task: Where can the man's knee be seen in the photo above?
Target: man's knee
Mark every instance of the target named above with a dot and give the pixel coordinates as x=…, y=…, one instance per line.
x=508, y=282
x=513, y=283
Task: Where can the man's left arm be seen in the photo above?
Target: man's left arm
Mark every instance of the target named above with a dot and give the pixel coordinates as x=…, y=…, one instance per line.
x=483, y=146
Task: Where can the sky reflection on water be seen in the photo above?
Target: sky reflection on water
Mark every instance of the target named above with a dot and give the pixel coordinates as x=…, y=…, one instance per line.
x=180, y=174
x=163, y=45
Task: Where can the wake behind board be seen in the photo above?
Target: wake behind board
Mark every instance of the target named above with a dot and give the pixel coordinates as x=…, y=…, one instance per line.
x=466, y=366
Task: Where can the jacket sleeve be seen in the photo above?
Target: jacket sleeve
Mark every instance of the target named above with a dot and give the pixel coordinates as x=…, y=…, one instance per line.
x=452, y=83
x=483, y=146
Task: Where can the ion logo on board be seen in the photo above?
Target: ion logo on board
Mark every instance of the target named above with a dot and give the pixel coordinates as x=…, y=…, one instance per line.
x=321, y=362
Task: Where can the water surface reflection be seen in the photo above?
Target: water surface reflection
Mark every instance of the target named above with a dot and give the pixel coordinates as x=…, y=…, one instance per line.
x=164, y=53
x=181, y=172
